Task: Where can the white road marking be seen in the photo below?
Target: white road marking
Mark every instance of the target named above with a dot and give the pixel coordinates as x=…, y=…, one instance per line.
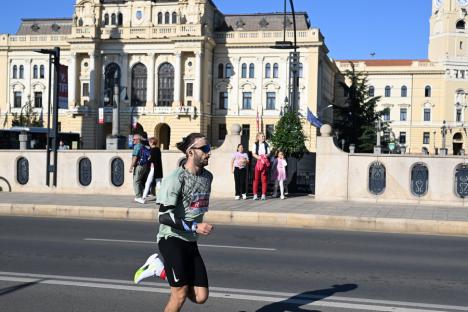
x=153, y=243
x=234, y=294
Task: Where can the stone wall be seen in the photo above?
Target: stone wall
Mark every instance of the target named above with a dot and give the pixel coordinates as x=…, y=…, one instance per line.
x=345, y=177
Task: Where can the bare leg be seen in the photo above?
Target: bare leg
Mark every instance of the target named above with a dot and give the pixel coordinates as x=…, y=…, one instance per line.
x=198, y=295
x=177, y=299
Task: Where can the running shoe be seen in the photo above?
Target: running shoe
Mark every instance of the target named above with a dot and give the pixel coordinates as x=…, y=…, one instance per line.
x=140, y=200
x=255, y=197
x=244, y=196
x=282, y=196
x=152, y=267
x=237, y=197
x=263, y=197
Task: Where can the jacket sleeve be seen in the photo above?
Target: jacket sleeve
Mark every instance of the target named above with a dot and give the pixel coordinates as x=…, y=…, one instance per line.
x=166, y=217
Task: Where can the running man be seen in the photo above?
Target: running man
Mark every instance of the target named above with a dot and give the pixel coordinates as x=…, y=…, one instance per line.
x=183, y=199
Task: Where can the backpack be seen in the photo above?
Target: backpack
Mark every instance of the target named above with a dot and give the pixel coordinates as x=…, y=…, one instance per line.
x=145, y=155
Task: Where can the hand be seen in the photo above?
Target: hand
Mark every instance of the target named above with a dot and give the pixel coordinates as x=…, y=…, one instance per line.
x=204, y=228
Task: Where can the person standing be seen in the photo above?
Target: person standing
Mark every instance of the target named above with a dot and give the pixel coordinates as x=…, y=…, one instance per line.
x=155, y=170
x=139, y=167
x=260, y=151
x=280, y=174
x=183, y=200
x=239, y=164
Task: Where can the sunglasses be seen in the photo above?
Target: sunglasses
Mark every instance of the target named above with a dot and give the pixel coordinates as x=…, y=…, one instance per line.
x=205, y=148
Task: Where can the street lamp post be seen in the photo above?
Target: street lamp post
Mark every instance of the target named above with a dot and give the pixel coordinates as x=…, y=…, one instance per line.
x=443, y=131
x=378, y=148
x=115, y=141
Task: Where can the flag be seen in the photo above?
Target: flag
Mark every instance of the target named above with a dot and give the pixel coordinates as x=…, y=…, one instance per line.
x=314, y=121
x=258, y=122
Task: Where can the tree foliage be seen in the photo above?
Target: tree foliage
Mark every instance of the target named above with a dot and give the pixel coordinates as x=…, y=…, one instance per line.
x=289, y=136
x=27, y=119
x=357, y=119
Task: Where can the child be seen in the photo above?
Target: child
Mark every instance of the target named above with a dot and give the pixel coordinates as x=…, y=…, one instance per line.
x=280, y=173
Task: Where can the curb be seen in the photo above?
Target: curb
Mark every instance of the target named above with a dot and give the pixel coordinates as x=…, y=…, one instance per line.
x=290, y=220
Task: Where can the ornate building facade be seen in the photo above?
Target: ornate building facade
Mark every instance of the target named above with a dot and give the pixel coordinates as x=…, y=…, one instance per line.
x=180, y=66
x=427, y=98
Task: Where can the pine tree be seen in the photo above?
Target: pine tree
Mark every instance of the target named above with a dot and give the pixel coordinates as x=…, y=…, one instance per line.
x=356, y=120
x=289, y=136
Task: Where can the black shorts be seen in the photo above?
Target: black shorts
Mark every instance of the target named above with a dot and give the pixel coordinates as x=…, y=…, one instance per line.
x=183, y=263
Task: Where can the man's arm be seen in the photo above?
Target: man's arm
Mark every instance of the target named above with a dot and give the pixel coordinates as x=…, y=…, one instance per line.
x=181, y=224
x=134, y=163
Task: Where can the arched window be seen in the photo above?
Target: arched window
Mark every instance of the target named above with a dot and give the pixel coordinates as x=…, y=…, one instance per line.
x=460, y=24
x=35, y=72
x=388, y=91
x=160, y=18
x=427, y=91
x=174, y=18
x=228, y=72
x=268, y=70
x=167, y=17
x=120, y=19
x=371, y=91
x=166, y=85
x=112, y=78
x=275, y=70
x=42, y=72
x=301, y=70
x=80, y=22
x=251, y=70
x=106, y=19
x=21, y=72
x=139, y=84
x=15, y=72
x=113, y=19
x=404, y=91
x=220, y=70
x=244, y=70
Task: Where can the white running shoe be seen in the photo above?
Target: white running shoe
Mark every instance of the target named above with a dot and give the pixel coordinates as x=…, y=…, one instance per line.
x=263, y=197
x=237, y=197
x=152, y=267
x=140, y=200
x=244, y=196
x=255, y=197
x=282, y=196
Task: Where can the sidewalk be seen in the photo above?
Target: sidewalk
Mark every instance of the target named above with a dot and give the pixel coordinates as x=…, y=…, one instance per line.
x=295, y=212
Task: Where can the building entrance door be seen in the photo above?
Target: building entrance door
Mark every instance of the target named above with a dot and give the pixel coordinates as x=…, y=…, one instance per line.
x=457, y=143
x=162, y=133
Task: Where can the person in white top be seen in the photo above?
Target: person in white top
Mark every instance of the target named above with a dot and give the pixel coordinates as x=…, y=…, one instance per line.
x=260, y=151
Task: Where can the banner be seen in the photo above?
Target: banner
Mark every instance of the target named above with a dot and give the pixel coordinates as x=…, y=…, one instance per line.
x=314, y=121
x=62, y=91
x=101, y=116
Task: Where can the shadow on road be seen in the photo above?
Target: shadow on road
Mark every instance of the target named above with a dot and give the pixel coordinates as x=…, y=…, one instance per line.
x=294, y=303
x=8, y=290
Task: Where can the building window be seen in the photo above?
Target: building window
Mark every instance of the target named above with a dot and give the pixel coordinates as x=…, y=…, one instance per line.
x=427, y=91
x=404, y=91
x=228, y=72
x=167, y=17
x=301, y=70
x=189, y=89
x=220, y=70
x=85, y=89
x=42, y=72
x=166, y=85
x=15, y=72
x=251, y=71
x=388, y=91
x=35, y=72
x=21, y=72
x=106, y=19
x=244, y=71
x=160, y=18
x=268, y=70
x=403, y=114
x=174, y=18
x=139, y=82
x=247, y=100
x=426, y=138
x=113, y=19
x=271, y=100
x=275, y=70
x=460, y=24
x=120, y=19
x=371, y=91
x=402, y=137
x=17, y=99
x=427, y=114
x=38, y=99
x=112, y=78
x=222, y=132
x=459, y=115
x=386, y=115
x=223, y=100
x=269, y=130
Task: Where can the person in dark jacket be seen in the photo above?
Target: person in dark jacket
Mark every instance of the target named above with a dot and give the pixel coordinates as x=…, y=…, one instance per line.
x=155, y=174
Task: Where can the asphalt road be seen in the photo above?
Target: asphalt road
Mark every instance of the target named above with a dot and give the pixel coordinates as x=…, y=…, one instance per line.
x=80, y=265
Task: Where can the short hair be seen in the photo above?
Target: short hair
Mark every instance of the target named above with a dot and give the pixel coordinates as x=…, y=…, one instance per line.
x=153, y=140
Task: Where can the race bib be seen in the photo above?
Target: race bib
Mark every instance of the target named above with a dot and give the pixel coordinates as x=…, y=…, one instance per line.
x=200, y=203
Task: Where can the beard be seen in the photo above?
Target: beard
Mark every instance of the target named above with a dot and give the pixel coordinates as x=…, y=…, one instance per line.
x=202, y=162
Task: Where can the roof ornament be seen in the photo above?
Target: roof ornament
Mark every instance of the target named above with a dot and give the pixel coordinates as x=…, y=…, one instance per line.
x=55, y=27
x=35, y=27
x=264, y=23
x=240, y=23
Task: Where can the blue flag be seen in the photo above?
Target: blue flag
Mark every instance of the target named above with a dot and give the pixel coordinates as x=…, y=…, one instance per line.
x=314, y=121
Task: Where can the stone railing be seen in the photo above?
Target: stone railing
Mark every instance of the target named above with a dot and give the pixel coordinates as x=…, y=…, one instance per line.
x=311, y=35
x=34, y=41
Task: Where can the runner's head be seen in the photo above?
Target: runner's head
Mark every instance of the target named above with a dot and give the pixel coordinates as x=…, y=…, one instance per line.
x=197, y=149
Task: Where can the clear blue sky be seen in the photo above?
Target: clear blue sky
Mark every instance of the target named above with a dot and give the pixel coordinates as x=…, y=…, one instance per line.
x=397, y=29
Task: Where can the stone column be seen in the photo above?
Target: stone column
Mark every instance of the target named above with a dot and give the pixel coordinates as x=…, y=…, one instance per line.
x=124, y=70
x=72, y=69
x=198, y=77
x=177, y=78
x=151, y=75
x=92, y=77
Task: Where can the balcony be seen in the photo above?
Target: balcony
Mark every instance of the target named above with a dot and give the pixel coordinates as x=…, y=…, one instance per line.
x=183, y=111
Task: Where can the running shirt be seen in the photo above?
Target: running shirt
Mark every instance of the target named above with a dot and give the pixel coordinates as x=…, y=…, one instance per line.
x=190, y=195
